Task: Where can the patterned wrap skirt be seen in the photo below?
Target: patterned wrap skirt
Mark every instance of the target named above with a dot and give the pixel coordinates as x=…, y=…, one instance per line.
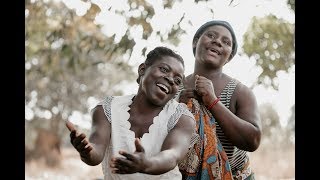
x=206, y=158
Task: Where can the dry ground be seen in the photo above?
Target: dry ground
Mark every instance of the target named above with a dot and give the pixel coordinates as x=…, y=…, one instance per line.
x=268, y=164
x=273, y=164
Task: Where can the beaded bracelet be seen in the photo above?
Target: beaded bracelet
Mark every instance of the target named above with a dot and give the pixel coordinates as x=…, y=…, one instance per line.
x=213, y=103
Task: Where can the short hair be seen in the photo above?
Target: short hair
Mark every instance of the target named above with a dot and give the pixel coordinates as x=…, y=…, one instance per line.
x=159, y=52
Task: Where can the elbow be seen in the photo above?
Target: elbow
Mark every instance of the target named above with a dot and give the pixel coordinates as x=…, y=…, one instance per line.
x=255, y=141
x=92, y=162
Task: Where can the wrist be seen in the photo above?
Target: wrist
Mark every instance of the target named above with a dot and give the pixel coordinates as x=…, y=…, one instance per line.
x=147, y=167
x=213, y=103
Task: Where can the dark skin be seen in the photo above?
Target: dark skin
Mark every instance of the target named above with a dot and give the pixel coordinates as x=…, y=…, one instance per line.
x=241, y=123
x=147, y=104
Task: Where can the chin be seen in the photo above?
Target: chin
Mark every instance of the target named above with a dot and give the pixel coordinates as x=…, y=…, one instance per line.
x=161, y=101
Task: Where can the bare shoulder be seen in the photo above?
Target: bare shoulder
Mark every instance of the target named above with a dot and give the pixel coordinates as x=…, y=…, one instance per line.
x=186, y=122
x=242, y=96
x=98, y=114
x=242, y=91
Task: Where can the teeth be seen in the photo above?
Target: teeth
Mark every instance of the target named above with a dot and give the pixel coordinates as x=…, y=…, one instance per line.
x=213, y=50
x=164, y=87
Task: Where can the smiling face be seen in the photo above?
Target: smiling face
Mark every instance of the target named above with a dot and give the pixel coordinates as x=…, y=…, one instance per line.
x=160, y=81
x=214, y=46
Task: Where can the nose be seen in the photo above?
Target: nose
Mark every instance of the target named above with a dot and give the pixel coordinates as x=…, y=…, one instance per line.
x=216, y=41
x=169, y=79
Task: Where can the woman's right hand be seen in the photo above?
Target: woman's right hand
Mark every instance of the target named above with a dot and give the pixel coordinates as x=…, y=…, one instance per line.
x=79, y=141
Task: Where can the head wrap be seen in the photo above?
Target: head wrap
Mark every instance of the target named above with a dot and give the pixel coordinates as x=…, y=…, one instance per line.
x=214, y=23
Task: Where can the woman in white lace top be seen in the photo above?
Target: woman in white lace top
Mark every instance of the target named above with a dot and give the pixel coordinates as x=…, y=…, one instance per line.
x=143, y=135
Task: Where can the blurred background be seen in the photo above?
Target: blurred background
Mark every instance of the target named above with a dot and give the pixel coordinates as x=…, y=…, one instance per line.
x=77, y=52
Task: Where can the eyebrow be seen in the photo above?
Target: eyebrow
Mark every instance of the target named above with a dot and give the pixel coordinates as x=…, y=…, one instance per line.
x=181, y=76
x=213, y=31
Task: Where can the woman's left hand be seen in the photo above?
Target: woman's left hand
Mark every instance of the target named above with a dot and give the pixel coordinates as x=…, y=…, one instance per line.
x=131, y=162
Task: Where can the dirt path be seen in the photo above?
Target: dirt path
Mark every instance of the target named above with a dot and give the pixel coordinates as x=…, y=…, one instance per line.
x=267, y=165
x=71, y=168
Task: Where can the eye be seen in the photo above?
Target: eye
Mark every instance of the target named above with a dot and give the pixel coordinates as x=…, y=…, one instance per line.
x=177, y=80
x=211, y=35
x=227, y=42
x=163, y=69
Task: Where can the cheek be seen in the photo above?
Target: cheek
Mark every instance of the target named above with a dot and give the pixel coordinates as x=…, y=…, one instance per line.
x=227, y=52
x=175, y=89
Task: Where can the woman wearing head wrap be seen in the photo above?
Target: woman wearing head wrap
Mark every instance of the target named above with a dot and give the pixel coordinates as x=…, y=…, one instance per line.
x=225, y=110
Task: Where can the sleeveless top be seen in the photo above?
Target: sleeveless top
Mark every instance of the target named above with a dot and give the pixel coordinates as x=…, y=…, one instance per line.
x=122, y=138
x=239, y=159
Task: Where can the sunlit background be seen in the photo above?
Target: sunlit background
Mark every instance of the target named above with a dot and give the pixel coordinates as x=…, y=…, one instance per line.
x=79, y=51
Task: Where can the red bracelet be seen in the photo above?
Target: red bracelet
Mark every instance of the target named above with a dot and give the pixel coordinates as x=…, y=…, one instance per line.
x=213, y=103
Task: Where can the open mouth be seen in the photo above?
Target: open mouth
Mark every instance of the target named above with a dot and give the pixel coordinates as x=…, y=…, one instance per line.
x=215, y=51
x=163, y=88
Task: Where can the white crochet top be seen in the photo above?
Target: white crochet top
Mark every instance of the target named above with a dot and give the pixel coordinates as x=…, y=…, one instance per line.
x=122, y=138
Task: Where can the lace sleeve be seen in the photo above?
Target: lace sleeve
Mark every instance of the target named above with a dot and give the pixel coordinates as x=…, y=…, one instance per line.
x=106, y=104
x=181, y=109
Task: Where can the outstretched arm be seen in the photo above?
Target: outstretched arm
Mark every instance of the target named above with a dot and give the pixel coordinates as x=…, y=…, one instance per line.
x=174, y=148
x=92, y=150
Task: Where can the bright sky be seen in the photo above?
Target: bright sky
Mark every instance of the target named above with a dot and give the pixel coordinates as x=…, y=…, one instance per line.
x=238, y=14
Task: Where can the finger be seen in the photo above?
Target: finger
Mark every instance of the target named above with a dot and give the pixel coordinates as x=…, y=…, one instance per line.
x=114, y=170
x=78, y=139
x=88, y=149
x=122, y=163
x=201, y=80
x=129, y=156
x=81, y=146
x=85, y=146
x=73, y=134
x=196, y=77
x=70, y=126
x=201, y=87
x=139, y=147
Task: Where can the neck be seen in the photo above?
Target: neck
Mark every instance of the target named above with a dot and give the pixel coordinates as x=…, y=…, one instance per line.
x=141, y=105
x=208, y=72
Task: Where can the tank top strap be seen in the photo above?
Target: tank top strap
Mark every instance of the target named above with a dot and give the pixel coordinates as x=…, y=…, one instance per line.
x=227, y=92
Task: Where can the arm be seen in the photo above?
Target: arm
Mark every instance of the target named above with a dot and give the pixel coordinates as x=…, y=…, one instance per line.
x=243, y=127
x=174, y=148
x=92, y=150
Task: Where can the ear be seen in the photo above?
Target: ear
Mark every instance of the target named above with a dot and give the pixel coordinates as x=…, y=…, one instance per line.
x=142, y=69
x=194, y=42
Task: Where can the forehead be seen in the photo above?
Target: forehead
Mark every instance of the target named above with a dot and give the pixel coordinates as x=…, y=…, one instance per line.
x=174, y=63
x=220, y=29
